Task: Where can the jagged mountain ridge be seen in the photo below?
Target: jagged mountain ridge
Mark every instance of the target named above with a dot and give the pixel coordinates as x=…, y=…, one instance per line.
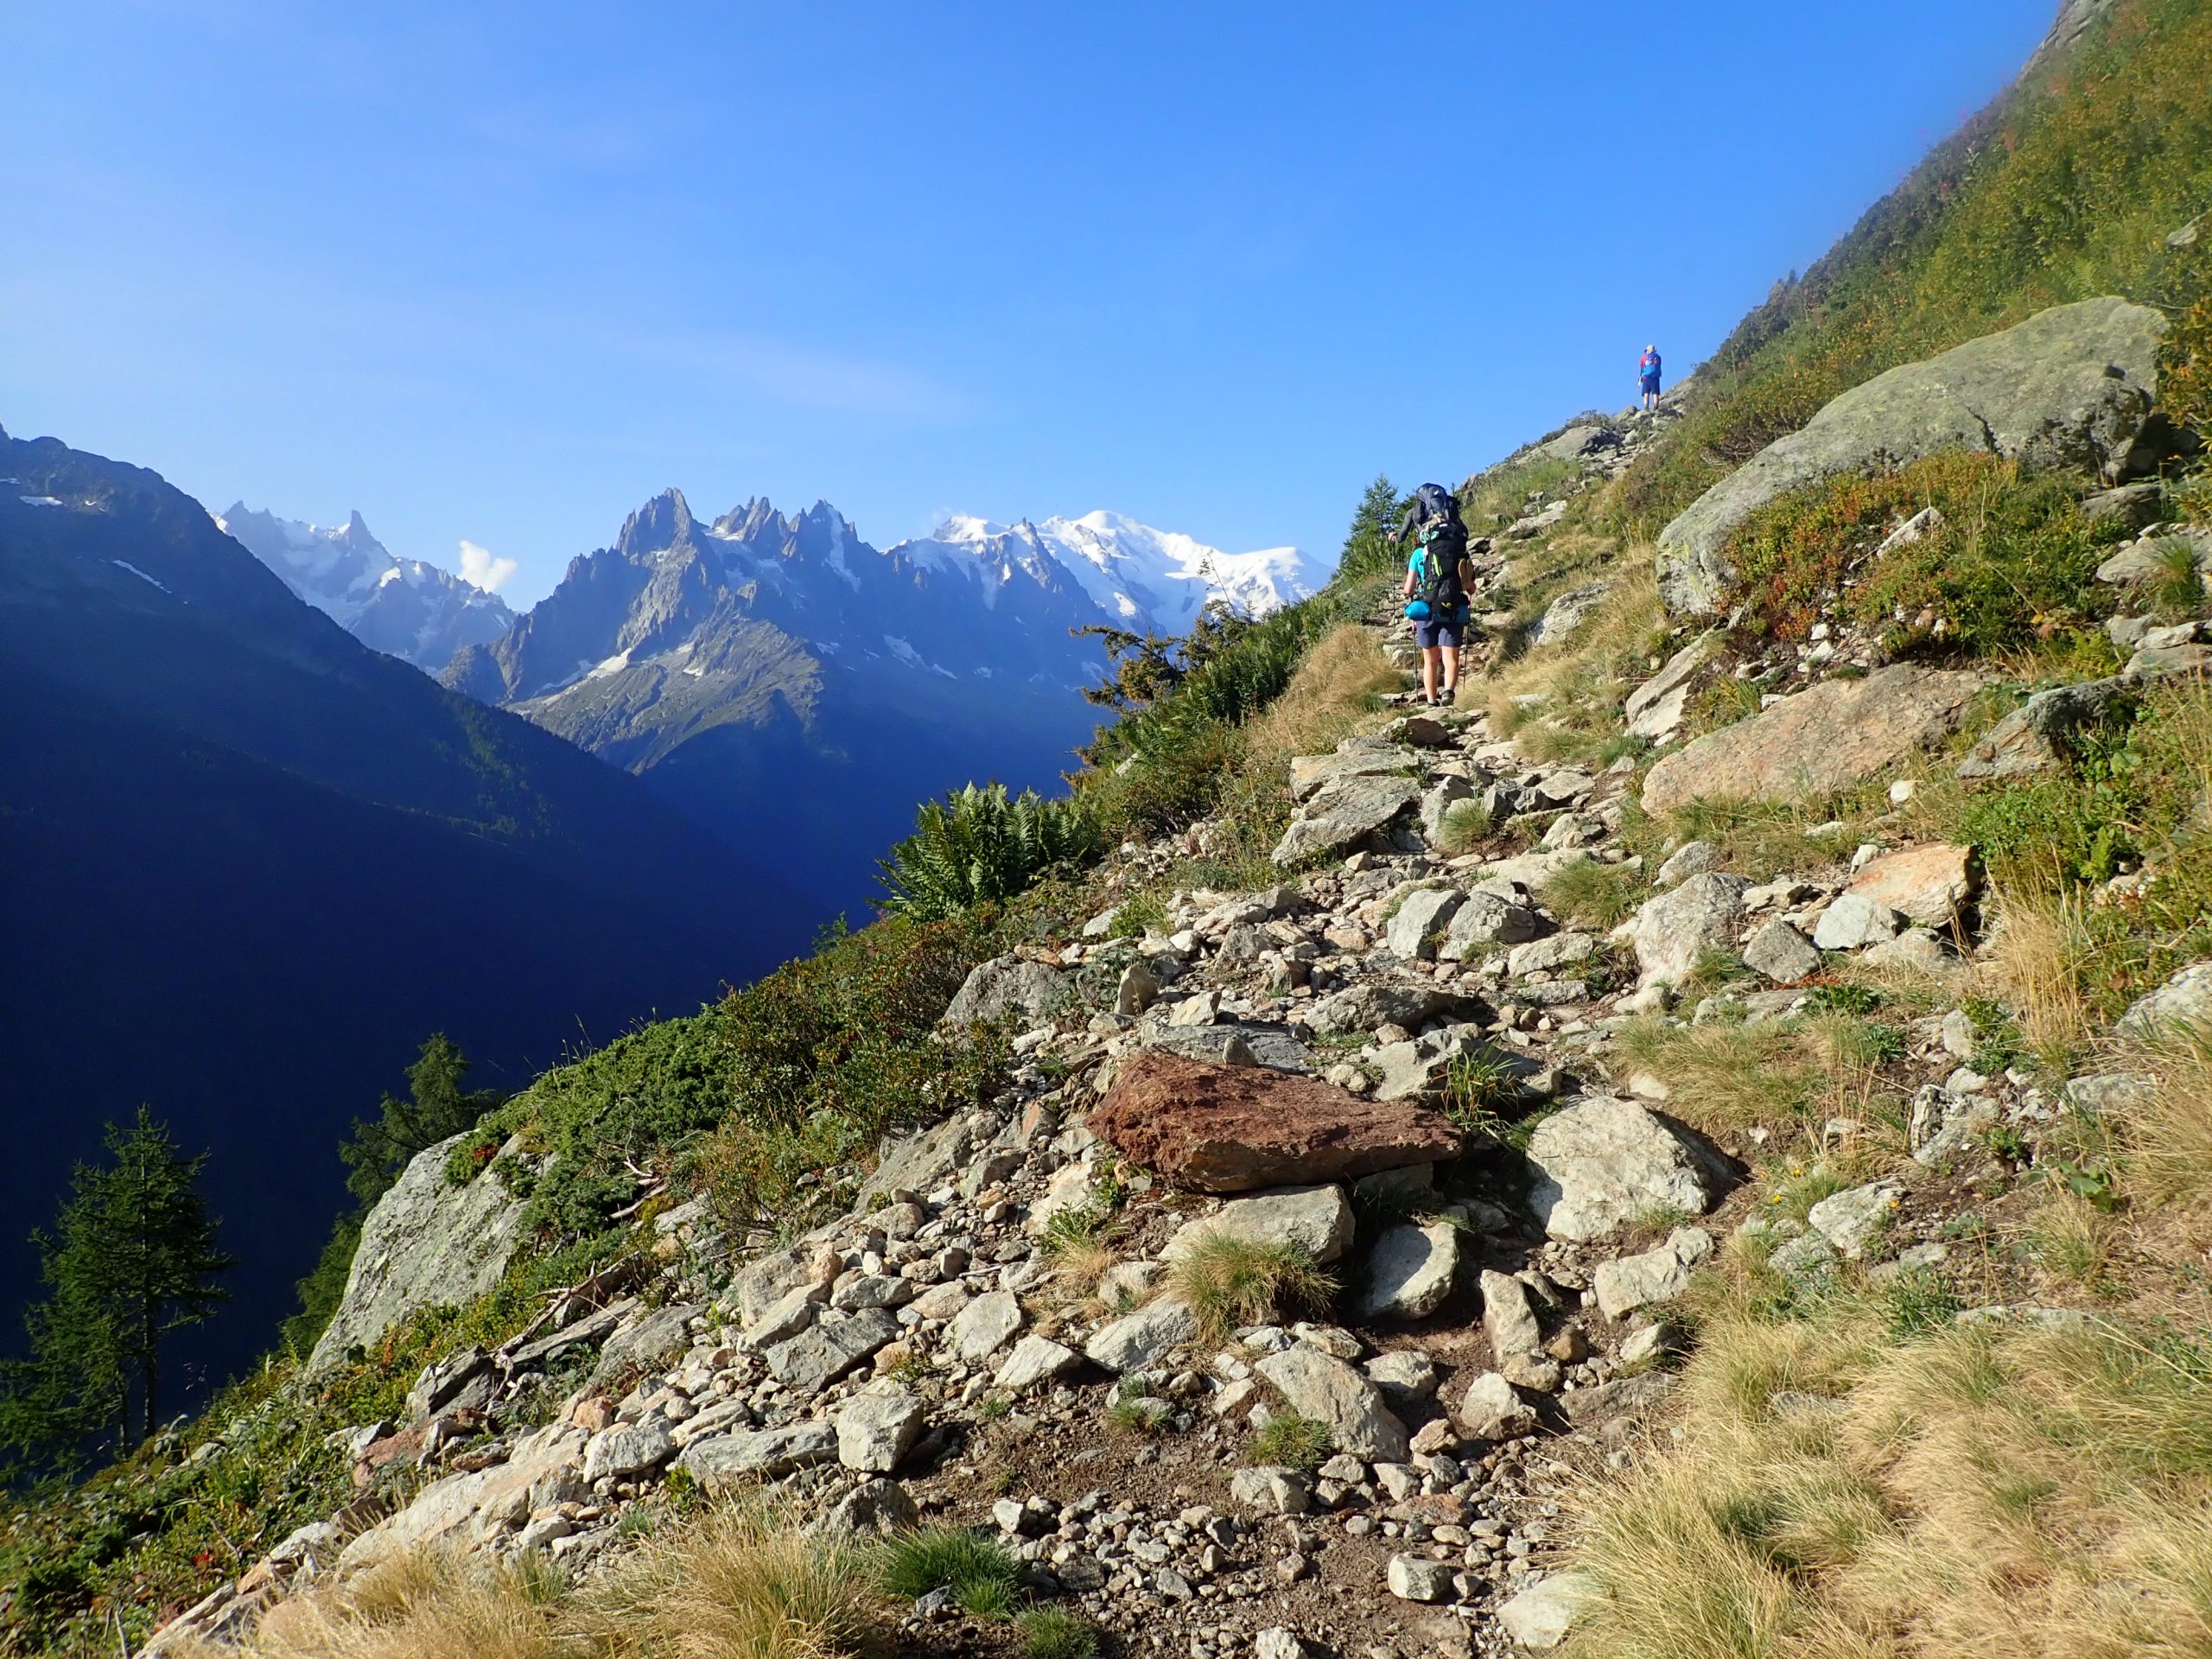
x=407, y=608
x=251, y=863
x=792, y=686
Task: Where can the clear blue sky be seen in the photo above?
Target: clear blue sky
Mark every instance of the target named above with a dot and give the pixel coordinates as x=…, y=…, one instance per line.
x=499, y=272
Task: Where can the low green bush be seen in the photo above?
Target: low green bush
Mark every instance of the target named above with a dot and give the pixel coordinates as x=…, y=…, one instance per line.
x=2013, y=562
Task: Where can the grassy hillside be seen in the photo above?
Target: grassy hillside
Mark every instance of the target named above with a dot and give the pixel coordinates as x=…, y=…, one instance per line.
x=2066, y=187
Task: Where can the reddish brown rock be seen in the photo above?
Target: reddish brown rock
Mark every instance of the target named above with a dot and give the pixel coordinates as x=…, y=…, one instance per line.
x=1227, y=1128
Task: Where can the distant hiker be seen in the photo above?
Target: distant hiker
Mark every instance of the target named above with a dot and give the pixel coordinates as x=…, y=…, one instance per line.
x=1647, y=370
x=1437, y=580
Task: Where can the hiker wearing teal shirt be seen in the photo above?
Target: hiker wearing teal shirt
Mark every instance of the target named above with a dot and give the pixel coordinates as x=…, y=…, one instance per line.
x=1438, y=577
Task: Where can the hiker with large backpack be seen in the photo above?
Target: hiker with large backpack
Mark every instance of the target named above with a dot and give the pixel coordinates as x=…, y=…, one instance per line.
x=1647, y=376
x=1438, y=578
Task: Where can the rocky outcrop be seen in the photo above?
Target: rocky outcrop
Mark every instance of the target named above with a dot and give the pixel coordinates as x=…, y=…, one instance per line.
x=2070, y=388
x=1819, y=742
x=427, y=1243
x=1225, y=1128
x=1006, y=987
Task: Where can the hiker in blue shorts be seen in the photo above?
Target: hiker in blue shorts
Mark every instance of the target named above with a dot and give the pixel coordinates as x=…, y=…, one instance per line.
x=1647, y=370
x=1438, y=577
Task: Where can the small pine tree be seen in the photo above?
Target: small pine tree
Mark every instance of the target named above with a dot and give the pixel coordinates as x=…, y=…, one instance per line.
x=132, y=1257
x=438, y=1105
x=1367, y=544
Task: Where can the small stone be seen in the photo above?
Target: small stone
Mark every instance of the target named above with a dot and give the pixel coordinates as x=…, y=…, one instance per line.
x=1412, y=1578
x=1270, y=1491
x=1541, y=1617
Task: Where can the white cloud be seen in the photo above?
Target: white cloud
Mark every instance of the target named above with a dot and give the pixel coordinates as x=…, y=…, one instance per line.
x=480, y=569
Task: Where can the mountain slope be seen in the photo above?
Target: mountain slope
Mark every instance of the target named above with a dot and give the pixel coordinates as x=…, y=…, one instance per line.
x=789, y=684
x=252, y=862
x=406, y=608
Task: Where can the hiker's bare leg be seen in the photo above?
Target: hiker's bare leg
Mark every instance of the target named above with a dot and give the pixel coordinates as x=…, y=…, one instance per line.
x=1428, y=656
x=1451, y=656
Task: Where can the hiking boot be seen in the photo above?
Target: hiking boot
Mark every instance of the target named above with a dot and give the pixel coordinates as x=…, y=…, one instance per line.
x=1445, y=699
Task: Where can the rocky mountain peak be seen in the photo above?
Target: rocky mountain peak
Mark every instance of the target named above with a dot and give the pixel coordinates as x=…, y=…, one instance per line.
x=658, y=525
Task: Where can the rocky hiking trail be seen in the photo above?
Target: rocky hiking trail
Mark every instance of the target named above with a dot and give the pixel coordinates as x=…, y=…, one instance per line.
x=1407, y=1062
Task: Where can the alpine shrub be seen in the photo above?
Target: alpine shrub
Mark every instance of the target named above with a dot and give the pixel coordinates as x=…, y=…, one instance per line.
x=981, y=846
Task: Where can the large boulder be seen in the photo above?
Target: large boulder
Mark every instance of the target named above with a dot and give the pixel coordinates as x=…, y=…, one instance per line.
x=1410, y=1270
x=2070, y=388
x=1006, y=987
x=1672, y=931
x=1819, y=742
x=2044, y=730
x=2184, y=1000
x=1341, y=815
x=1542, y=1617
x=1227, y=1129
x=1655, y=708
x=1601, y=1161
x=1135, y=1340
x=818, y=1355
x=1358, y=756
x=427, y=1243
x=1629, y=1282
x=1418, y=927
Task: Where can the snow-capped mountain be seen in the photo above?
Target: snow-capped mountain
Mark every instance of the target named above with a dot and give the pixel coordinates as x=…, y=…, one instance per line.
x=1140, y=578
x=405, y=608
x=788, y=682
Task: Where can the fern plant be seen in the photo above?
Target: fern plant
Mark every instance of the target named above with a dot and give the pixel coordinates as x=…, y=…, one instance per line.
x=980, y=845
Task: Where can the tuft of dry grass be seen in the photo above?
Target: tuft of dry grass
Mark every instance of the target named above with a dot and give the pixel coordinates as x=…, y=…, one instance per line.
x=740, y=1582
x=1334, y=688
x=2038, y=957
x=1230, y=1282
x=423, y=1605
x=2169, y=1134
x=1996, y=1488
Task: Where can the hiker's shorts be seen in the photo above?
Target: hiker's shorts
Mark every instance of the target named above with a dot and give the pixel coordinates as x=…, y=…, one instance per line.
x=1651, y=385
x=1445, y=633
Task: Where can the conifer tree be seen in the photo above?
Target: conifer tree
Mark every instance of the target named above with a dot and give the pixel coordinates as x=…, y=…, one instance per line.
x=1367, y=548
x=439, y=1104
x=132, y=1257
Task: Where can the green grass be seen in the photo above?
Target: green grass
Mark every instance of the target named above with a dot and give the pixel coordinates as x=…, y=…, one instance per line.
x=1055, y=1633
x=1230, y=1282
x=983, y=1574
x=802, y=1069
x=1595, y=895
x=1290, y=1441
x=2012, y=564
x=1465, y=826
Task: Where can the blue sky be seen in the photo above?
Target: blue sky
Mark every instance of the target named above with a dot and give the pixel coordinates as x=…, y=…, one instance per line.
x=498, y=273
